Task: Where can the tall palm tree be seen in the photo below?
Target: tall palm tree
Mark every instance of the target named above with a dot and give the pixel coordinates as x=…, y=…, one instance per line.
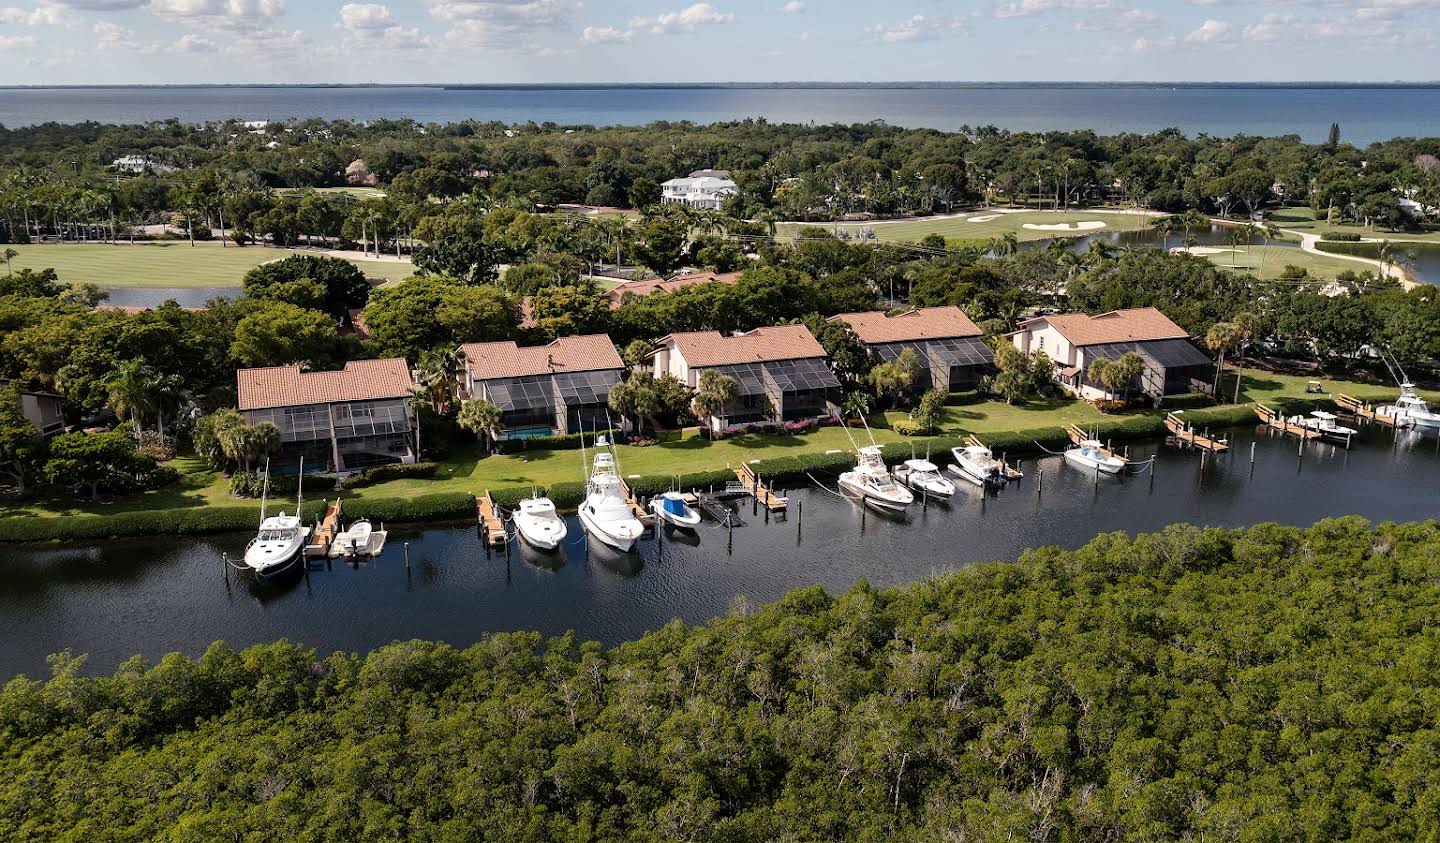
x=1165, y=226
x=9, y=255
x=130, y=392
x=1220, y=338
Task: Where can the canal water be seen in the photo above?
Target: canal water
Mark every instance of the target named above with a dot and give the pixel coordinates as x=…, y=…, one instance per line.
x=112, y=600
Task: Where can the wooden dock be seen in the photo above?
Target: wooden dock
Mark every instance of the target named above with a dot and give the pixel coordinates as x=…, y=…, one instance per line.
x=323, y=534
x=1185, y=436
x=490, y=521
x=1077, y=436
x=763, y=493
x=1276, y=421
x=1364, y=412
x=641, y=514
x=1008, y=472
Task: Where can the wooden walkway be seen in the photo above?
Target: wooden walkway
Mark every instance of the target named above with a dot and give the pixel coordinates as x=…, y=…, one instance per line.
x=323, y=535
x=1186, y=436
x=645, y=518
x=490, y=522
x=1077, y=436
x=1364, y=412
x=754, y=486
x=1274, y=420
x=1008, y=472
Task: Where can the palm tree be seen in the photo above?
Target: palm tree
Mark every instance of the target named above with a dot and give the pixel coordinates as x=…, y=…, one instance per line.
x=1098, y=252
x=1220, y=338
x=716, y=391
x=1247, y=327
x=1238, y=235
x=9, y=255
x=1099, y=372
x=481, y=418
x=1005, y=245
x=1268, y=231
x=131, y=392
x=1165, y=226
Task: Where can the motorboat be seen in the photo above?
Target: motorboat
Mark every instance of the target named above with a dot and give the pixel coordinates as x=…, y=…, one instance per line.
x=924, y=476
x=280, y=542
x=1411, y=408
x=673, y=510
x=872, y=481
x=356, y=540
x=606, y=512
x=1327, y=425
x=1091, y=455
x=539, y=524
x=977, y=464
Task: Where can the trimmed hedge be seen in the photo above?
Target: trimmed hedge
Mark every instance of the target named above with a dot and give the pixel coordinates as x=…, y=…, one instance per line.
x=563, y=442
x=1340, y=236
x=224, y=519
x=398, y=471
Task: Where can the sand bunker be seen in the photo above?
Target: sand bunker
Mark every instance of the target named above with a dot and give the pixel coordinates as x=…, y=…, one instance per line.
x=1088, y=225
x=986, y=218
x=1203, y=251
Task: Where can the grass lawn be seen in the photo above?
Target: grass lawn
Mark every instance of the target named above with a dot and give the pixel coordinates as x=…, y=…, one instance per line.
x=466, y=470
x=988, y=225
x=171, y=263
x=357, y=192
x=1269, y=262
x=1304, y=219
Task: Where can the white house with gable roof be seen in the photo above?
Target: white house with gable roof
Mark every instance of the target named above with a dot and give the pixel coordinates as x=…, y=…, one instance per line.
x=702, y=189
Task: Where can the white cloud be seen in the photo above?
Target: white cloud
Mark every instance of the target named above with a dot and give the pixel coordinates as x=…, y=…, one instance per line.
x=97, y=5
x=606, y=35
x=1126, y=20
x=794, y=7
x=17, y=42
x=1143, y=45
x=685, y=20
x=219, y=14
x=371, y=25
x=1031, y=8
x=504, y=25
x=39, y=16
x=917, y=28
x=365, y=16
x=1211, y=31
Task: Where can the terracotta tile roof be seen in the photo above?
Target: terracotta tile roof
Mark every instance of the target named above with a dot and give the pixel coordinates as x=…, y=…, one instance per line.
x=1140, y=324
x=656, y=285
x=288, y=386
x=490, y=360
x=711, y=348
x=926, y=323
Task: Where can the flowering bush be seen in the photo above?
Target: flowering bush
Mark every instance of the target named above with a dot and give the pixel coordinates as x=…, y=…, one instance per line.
x=802, y=426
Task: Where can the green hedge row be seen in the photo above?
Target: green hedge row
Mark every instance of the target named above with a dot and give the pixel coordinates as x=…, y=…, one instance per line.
x=225, y=519
x=383, y=473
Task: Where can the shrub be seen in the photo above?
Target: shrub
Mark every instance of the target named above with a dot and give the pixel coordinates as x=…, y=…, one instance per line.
x=906, y=427
x=398, y=471
x=561, y=442
x=795, y=428
x=1341, y=236
x=249, y=484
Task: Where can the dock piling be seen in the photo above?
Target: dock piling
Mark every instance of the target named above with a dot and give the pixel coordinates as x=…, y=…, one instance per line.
x=1039, y=481
x=407, y=556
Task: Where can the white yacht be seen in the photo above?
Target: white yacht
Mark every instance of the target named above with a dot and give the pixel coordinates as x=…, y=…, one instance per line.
x=977, y=464
x=606, y=513
x=1091, y=454
x=280, y=543
x=872, y=481
x=673, y=510
x=539, y=524
x=1410, y=408
x=1327, y=425
x=924, y=476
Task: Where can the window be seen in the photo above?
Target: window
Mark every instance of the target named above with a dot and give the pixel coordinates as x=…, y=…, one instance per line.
x=1042, y=342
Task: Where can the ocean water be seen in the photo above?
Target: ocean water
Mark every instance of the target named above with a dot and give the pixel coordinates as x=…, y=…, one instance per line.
x=1365, y=114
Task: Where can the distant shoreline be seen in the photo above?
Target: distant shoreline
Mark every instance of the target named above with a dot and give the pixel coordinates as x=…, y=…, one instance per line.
x=742, y=86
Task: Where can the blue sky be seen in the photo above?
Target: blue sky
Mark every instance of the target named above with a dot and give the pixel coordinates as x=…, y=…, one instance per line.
x=209, y=41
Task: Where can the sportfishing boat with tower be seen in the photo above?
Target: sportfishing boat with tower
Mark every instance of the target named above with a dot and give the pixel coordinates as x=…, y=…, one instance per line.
x=606, y=512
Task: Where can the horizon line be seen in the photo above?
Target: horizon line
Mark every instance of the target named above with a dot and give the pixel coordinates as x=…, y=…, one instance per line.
x=1159, y=83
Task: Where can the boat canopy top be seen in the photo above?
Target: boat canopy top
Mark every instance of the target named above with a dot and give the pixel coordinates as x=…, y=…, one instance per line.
x=675, y=505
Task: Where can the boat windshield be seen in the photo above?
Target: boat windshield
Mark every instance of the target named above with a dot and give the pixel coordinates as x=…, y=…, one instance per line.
x=276, y=535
